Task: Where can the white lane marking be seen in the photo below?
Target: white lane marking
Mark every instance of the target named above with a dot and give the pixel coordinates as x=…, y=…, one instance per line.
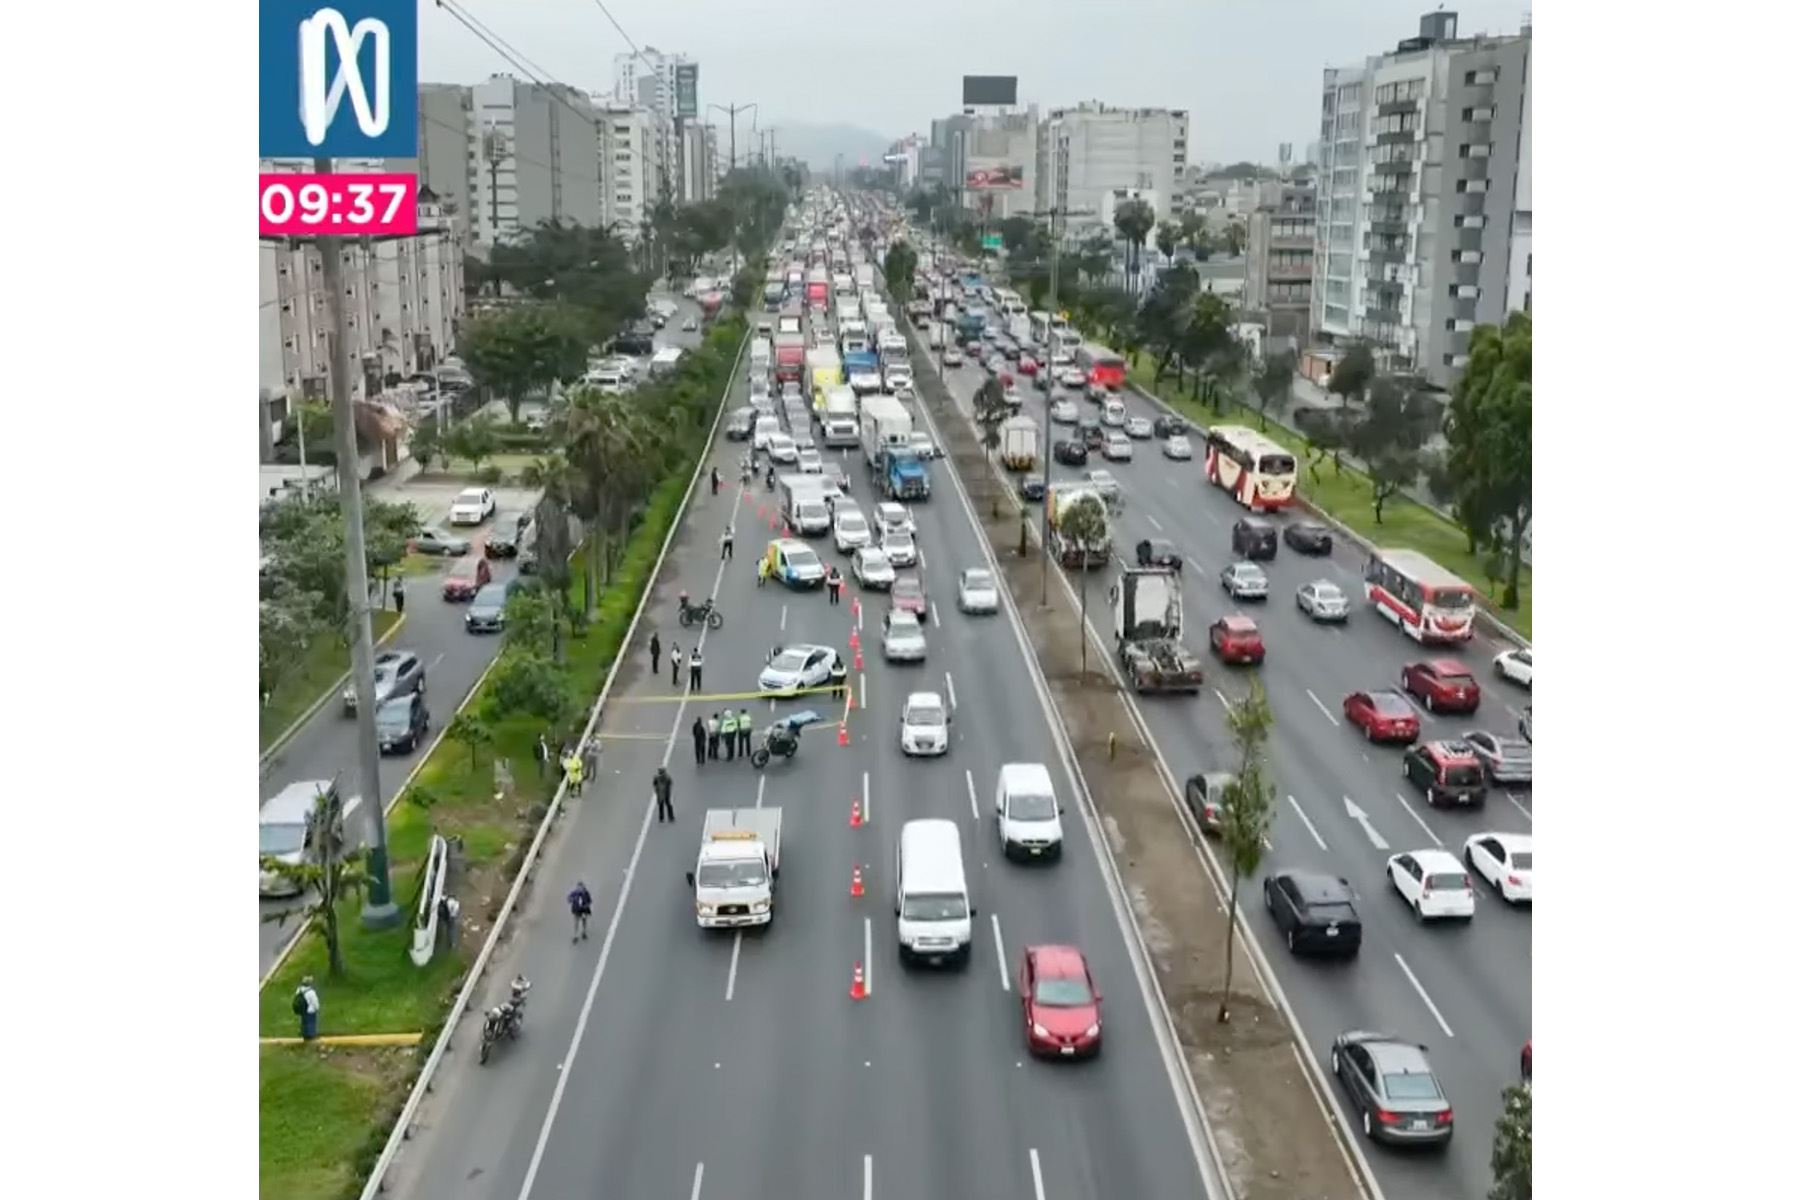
x=1322, y=707
x=862, y=688
x=1515, y=803
x=934, y=615
x=1037, y=1176
x=737, y=945
x=868, y=812
x=1000, y=953
x=1421, y=820
x=868, y=958
x=1420, y=988
x=1222, y=699
x=699, y=1174
x=950, y=687
x=1157, y=525
x=784, y=618
x=762, y=781
x=1368, y=826
x=921, y=559
x=1306, y=821
x=868, y=1176
x=859, y=612
x=974, y=808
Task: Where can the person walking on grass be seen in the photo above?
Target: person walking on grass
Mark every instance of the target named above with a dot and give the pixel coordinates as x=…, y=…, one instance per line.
x=744, y=732
x=699, y=732
x=655, y=653
x=581, y=907
x=542, y=753
x=306, y=1007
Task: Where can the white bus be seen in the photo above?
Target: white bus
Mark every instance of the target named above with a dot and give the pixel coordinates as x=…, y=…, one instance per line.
x=1427, y=602
x=1259, y=473
x=1008, y=302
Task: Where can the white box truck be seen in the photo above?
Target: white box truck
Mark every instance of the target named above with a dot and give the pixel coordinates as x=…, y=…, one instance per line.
x=885, y=423
x=734, y=877
x=839, y=419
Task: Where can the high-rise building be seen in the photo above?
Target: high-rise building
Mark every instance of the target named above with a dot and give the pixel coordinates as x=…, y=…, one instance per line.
x=1422, y=155
x=1279, y=262
x=647, y=78
x=533, y=156
x=630, y=172
x=1093, y=156
x=990, y=160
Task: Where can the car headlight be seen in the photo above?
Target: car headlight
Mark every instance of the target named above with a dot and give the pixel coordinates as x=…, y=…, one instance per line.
x=759, y=906
x=1093, y=1030
x=1039, y=1030
x=705, y=910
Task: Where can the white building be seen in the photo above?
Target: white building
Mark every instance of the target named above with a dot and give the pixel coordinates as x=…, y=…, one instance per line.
x=1518, y=257
x=648, y=78
x=533, y=157
x=989, y=147
x=630, y=169
x=1094, y=155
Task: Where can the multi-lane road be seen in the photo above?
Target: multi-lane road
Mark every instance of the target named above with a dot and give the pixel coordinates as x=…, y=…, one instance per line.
x=326, y=747
x=663, y=1060
x=1464, y=991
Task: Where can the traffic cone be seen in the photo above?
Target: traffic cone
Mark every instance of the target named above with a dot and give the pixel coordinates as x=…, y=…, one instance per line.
x=855, y=639
x=856, y=607
x=859, y=658
x=857, y=990
x=855, y=810
x=856, y=887
x=772, y=523
x=844, y=740
x=762, y=510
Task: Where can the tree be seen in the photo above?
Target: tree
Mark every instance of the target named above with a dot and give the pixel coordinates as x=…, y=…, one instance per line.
x=473, y=440
x=525, y=682
x=531, y=623
x=1274, y=384
x=901, y=263
x=427, y=442
x=1511, y=1160
x=1163, y=319
x=1390, y=436
x=288, y=620
x=991, y=411
x=1194, y=235
x=1206, y=342
x=558, y=481
x=1489, y=432
x=327, y=872
x=1134, y=219
x=1235, y=237
x=1084, y=523
x=1350, y=378
x=615, y=454
x=470, y=732
x=586, y=271
x=1167, y=238
x=1246, y=809
x=517, y=350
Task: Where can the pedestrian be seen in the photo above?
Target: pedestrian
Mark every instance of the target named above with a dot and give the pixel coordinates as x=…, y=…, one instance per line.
x=728, y=734
x=762, y=571
x=694, y=669
x=833, y=582
x=572, y=768
x=399, y=593
x=715, y=481
x=449, y=922
x=725, y=540
x=655, y=653
x=675, y=666
x=542, y=754
x=838, y=675
x=663, y=785
x=306, y=1007
x=712, y=738
x=581, y=907
x=699, y=732
x=590, y=757
x=744, y=732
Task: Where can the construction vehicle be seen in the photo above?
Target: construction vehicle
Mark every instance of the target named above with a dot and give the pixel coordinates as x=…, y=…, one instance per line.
x=740, y=859
x=1069, y=552
x=1146, y=604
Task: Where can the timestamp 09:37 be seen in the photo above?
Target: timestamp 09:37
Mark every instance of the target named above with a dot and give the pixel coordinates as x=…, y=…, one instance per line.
x=303, y=204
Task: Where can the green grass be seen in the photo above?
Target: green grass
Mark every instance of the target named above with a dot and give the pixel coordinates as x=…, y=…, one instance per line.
x=310, y=1113
x=1348, y=497
x=325, y=663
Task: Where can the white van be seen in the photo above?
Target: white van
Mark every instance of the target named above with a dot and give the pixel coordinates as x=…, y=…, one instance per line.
x=1026, y=814
x=1113, y=413
x=766, y=427
x=284, y=829
x=931, y=895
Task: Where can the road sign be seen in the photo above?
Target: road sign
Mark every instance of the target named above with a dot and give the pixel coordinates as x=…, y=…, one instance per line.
x=339, y=79
x=992, y=241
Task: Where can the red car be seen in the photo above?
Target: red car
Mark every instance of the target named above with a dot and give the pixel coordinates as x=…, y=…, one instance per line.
x=466, y=578
x=1057, y=999
x=1383, y=716
x=908, y=595
x=1442, y=685
x=1236, y=639
x=1027, y=365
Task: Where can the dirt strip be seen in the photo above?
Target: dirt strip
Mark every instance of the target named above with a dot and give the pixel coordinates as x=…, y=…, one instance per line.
x=1273, y=1135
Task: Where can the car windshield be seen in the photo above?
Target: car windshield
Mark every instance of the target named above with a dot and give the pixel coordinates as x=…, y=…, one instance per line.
x=902, y=623
x=789, y=660
x=852, y=523
x=1249, y=571
x=802, y=557
x=1462, y=776
x=730, y=875
x=1390, y=705
x=1328, y=591
x=929, y=906
x=1521, y=860
x=281, y=839
x=925, y=714
x=1063, y=993
x=1452, y=599
x=1455, y=676
x=875, y=561
x=1445, y=881
x=491, y=596
x=1412, y=1086
x=1031, y=807
x=906, y=589
x=468, y=497
x=395, y=714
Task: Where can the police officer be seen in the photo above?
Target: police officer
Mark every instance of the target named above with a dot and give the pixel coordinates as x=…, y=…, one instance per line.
x=833, y=583
x=699, y=732
x=744, y=732
x=712, y=737
x=728, y=734
x=838, y=675
x=694, y=669
x=675, y=664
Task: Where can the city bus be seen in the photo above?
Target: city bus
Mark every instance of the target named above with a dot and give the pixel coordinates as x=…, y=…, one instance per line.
x=1259, y=473
x=1428, y=603
x=1102, y=367
x=1008, y=301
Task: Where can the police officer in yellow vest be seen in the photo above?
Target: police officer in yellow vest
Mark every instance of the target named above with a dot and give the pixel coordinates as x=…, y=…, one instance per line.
x=728, y=734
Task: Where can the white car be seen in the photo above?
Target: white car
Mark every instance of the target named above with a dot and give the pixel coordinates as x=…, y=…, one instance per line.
x=902, y=637
x=1139, y=428
x=952, y=357
x=889, y=515
x=1244, y=581
x=924, y=725
x=1112, y=414
x=472, y=506
x=1064, y=412
x=923, y=446
x=803, y=439
x=1178, y=447
x=900, y=548
x=872, y=570
x=1072, y=377
x=1514, y=665
x=782, y=449
x=976, y=591
x=1433, y=884
x=1323, y=600
x=1504, y=860
x=898, y=378
x=849, y=530
x=811, y=463
x=795, y=668
x=1117, y=447
x=1102, y=481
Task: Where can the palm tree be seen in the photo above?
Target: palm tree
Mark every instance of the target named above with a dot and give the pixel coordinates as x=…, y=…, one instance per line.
x=1084, y=523
x=1134, y=219
x=1167, y=240
x=1247, y=810
x=605, y=442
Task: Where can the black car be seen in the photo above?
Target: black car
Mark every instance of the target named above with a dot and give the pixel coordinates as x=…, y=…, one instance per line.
x=1168, y=425
x=1316, y=913
x=509, y=533
x=1392, y=1087
x=1506, y=760
x=1158, y=552
x=1253, y=538
x=1307, y=537
x=634, y=343
x=401, y=722
x=1070, y=452
x=1092, y=435
x=1031, y=487
x=1010, y=349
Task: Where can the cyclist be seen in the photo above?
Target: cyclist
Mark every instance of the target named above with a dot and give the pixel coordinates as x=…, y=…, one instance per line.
x=581, y=907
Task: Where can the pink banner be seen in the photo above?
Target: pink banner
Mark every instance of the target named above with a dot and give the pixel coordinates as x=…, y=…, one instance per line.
x=299, y=204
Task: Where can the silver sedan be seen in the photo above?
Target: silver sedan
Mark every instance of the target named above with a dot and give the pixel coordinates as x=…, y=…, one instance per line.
x=1323, y=600
x=902, y=637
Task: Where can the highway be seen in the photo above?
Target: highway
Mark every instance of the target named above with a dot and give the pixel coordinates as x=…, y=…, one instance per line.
x=1464, y=991
x=454, y=659
x=663, y=1060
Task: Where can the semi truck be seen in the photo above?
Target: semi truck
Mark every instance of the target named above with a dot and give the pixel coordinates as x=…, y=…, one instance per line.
x=790, y=357
x=1070, y=551
x=887, y=428
x=1019, y=441
x=838, y=421
x=1146, y=604
x=733, y=879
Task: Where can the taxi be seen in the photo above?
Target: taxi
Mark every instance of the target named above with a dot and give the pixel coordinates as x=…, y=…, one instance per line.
x=793, y=563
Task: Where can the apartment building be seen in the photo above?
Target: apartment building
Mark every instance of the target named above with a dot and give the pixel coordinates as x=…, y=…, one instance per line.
x=1091, y=156
x=1417, y=229
x=630, y=178
x=1279, y=261
x=991, y=160
x=533, y=157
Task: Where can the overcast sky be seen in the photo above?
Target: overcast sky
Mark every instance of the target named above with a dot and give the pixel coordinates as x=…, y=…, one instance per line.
x=1247, y=71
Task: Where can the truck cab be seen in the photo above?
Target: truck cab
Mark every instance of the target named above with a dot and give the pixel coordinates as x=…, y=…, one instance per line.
x=739, y=861
x=1147, y=624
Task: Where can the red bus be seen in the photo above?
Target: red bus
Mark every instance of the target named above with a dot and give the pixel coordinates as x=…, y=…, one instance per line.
x=1428, y=603
x=1102, y=367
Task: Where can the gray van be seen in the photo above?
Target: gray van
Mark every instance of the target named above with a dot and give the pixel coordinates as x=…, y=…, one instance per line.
x=284, y=829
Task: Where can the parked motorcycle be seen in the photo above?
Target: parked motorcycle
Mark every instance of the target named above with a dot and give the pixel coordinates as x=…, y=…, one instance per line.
x=505, y=1020
x=706, y=611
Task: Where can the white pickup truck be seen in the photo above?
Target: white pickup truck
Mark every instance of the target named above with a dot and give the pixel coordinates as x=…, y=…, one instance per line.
x=740, y=859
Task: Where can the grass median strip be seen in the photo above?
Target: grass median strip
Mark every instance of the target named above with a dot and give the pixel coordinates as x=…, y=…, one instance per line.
x=1347, y=496
x=325, y=663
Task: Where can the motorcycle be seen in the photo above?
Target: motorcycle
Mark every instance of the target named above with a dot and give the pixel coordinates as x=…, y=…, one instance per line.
x=783, y=738
x=505, y=1020
x=704, y=611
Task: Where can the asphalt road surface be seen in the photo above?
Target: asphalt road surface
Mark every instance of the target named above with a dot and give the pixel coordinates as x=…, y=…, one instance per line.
x=454, y=659
x=664, y=1060
x=1462, y=990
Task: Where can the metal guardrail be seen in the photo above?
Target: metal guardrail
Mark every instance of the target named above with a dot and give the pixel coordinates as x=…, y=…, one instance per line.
x=408, y=1113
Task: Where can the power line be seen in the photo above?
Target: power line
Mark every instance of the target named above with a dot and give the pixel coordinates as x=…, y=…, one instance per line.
x=550, y=86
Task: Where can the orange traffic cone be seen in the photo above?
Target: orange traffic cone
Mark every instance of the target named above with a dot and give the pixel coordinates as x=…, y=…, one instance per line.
x=857, y=990
x=762, y=510
x=856, y=607
x=855, y=810
x=856, y=887
x=859, y=658
x=855, y=639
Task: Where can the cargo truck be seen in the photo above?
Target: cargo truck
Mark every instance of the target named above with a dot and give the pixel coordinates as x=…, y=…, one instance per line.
x=1146, y=604
x=790, y=357
x=838, y=422
x=887, y=428
x=1019, y=441
x=863, y=369
x=824, y=371
x=733, y=879
x=1068, y=551
x=803, y=504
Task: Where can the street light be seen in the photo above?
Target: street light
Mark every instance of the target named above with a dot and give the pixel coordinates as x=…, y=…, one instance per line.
x=732, y=111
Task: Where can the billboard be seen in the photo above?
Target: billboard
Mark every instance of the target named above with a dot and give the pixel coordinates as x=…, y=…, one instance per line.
x=990, y=89
x=339, y=82
x=687, y=91
x=1000, y=178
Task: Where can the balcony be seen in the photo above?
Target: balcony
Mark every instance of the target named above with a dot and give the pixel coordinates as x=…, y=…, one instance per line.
x=1291, y=241
x=1399, y=167
x=1387, y=220
x=1395, y=137
x=1288, y=272
x=1396, y=106
x=1374, y=315
x=1386, y=255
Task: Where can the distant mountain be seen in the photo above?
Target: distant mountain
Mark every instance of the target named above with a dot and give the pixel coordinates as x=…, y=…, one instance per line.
x=818, y=145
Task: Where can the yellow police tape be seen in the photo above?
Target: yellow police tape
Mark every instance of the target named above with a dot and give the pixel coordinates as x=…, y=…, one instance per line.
x=351, y=1039
x=678, y=697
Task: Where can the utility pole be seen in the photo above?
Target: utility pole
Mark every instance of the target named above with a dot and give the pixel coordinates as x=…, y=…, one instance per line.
x=1049, y=354
x=732, y=111
x=379, y=909
x=493, y=149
